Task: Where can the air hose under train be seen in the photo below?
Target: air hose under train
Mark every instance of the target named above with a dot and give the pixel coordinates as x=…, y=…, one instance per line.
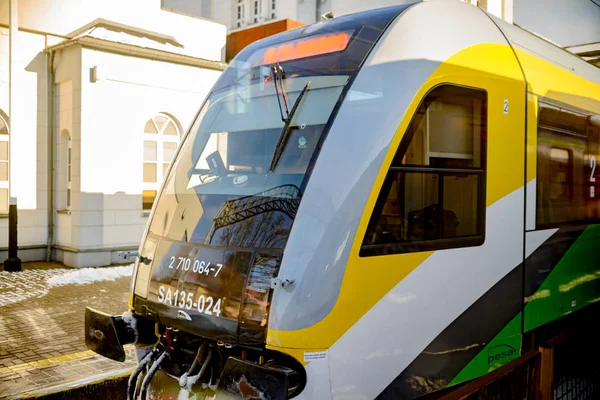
x=166, y=354
x=132, y=384
x=163, y=349
x=208, y=358
x=262, y=371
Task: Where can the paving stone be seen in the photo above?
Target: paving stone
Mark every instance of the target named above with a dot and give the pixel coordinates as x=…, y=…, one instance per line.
x=41, y=328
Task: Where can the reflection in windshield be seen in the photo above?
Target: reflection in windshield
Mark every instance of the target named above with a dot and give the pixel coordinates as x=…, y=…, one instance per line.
x=257, y=218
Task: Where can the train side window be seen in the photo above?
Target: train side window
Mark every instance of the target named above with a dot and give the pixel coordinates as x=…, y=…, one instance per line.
x=433, y=196
x=565, y=144
x=561, y=167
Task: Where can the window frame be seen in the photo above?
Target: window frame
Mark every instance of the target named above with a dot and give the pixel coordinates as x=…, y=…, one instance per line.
x=160, y=139
x=5, y=183
x=371, y=250
x=240, y=13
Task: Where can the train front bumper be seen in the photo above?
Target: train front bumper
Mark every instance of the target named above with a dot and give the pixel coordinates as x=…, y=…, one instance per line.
x=106, y=334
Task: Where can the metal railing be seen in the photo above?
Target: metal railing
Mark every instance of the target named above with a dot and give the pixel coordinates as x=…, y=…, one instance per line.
x=563, y=368
x=575, y=371
x=518, y=379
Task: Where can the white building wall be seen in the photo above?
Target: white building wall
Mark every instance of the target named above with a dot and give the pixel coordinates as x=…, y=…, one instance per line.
x=288, y=9
x=566, y=22
x=201, y=38
x=223, y=11
x=343, y=7
x=108, y=212
x=103, y=212
x=198, y=8
x=306, y=11
x=62, y=132
x=67, y=121
x=323, y=6
x=28, y=140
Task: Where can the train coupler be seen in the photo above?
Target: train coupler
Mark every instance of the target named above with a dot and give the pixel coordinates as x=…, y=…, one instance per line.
x=106, y=334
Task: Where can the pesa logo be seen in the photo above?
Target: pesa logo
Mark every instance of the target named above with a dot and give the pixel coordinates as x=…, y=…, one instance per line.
x=500, y=352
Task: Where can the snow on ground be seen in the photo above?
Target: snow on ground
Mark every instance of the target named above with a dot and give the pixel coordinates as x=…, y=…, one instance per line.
x=90, y=275
x=22, y=285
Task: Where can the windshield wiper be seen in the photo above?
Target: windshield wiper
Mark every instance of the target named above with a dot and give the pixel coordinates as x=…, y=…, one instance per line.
x=276, y=70
x=287, y=131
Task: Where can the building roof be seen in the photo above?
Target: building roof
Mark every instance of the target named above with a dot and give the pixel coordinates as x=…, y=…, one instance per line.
x=117, y=32
x=112, y=36
x=589, y=52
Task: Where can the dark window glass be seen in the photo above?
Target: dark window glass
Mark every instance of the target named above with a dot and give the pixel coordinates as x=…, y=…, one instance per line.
x=566, y=156
x=434, y=194
x=561, y=165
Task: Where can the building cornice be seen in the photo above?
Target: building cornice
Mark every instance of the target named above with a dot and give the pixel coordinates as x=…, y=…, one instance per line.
x=137, y=51
x=131, y=30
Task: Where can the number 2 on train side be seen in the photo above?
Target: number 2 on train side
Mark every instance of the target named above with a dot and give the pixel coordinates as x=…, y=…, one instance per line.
x=592, y=176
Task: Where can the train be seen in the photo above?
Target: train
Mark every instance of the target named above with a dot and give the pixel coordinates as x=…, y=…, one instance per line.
x=381, y=205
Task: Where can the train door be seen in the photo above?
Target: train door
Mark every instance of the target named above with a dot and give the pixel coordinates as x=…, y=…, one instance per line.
x=443, y=234
x=562, y=230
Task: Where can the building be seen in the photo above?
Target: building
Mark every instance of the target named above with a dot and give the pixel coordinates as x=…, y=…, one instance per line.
x=568, y=23
x=571, y=24
x=103, y=97
x=251, y=20
x=241, y=14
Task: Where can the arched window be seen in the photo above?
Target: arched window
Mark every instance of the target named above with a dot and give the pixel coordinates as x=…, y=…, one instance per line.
x=3, y=166
x=161, y=137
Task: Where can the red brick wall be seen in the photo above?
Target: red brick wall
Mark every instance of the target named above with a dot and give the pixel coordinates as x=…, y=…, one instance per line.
x=236, y=41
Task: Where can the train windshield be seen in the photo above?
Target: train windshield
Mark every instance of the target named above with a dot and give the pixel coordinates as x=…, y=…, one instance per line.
x=237, y=180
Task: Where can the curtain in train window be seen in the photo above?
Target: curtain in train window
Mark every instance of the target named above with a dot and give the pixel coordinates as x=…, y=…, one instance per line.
x=434, y=194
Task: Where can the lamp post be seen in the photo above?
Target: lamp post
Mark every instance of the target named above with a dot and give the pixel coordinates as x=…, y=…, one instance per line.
x=13, y=262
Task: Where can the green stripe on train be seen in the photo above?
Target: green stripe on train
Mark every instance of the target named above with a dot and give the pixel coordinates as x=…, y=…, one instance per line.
x=572, y=284
x=505, y=347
